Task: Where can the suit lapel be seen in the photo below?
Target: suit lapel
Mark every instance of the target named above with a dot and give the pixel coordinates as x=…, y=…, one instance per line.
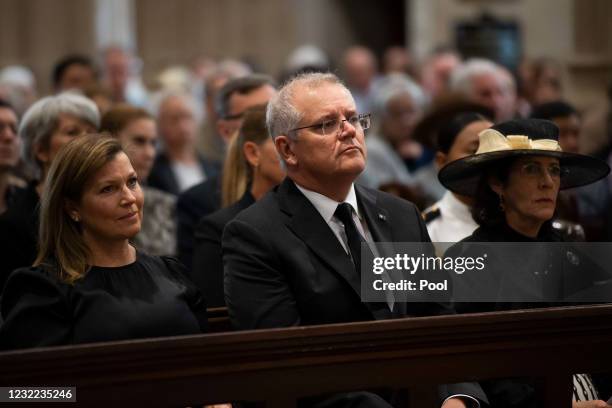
x=306, y=222
x=377, y=218
x=379, y=225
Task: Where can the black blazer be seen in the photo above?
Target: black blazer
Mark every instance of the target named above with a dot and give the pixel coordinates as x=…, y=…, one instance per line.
x=19, y=232
x=304, y=276
x=284, y=266
x=163, y=178
x=200, y=200
x=207, y=272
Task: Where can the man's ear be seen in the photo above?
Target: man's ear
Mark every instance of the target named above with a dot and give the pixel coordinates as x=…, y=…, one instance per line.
x=251, y=153
x=284, y=148
x=440, y=159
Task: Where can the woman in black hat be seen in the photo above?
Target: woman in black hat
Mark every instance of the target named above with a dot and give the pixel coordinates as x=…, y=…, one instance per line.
x=514, y=179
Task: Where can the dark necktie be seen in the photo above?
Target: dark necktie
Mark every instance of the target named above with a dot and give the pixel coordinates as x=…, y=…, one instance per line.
x=344, y=213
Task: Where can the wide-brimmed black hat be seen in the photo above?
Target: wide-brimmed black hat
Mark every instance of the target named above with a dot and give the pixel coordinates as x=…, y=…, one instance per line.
x=516, y=138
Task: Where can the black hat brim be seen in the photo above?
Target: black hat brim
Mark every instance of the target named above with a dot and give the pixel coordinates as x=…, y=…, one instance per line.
x=463, y=176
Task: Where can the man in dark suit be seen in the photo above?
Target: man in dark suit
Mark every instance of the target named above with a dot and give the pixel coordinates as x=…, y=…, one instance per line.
x=291, y=258
x=236, y=96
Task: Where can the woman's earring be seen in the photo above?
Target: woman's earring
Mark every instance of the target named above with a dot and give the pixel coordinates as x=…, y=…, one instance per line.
x=75, y=218
x=502, y=204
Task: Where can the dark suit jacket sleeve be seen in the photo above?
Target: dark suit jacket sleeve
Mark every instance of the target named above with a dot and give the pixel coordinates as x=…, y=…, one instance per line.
x=187, y=217
x=207, y=269
x=257, y=293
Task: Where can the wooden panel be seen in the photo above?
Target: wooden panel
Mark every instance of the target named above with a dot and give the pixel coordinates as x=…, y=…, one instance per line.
x=279, y=365
x=592, y=26
x=38, y=32
x=173, y=32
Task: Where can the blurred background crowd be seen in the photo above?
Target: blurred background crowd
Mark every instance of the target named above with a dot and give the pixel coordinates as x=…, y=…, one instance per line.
x=412, y=64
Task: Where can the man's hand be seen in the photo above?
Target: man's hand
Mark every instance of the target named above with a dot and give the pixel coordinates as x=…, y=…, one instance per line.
x=458, y=403
x=590, y=404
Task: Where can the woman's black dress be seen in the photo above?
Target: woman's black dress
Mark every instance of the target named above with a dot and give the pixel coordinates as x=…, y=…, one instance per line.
x=520, y=393
x=150, y=297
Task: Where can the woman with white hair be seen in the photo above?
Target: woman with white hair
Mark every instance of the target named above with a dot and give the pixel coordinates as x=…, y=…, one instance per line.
x=398, y=105
x=46, y=127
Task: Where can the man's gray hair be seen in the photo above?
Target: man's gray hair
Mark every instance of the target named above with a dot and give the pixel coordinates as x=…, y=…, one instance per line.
x=42, y=118
x=393, y=85
x=281, y=115
x=461, y=80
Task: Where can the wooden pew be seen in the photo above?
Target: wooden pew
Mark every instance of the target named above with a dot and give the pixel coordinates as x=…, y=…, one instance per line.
x=277, y=366
x=218, y=320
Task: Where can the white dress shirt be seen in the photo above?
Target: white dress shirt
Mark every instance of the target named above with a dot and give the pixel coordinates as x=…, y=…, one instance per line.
x=327, y=207
x=454, y=223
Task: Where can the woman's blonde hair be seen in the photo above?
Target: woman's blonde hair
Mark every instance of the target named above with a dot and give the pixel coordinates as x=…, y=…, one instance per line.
x=61, y=245
x=237, y=172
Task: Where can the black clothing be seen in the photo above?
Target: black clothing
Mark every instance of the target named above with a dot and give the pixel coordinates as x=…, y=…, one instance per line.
x=19, y=232
x=344, y=212
x=200, y=200
x=12, y=193
x=503, y=233
x=207, y=271
x=527, y=274
x=538, y=265
x=163, y=178
x=150, y=297
x=284, y=266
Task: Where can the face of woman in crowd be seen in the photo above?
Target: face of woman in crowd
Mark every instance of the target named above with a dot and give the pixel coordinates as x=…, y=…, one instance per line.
x=530, y=193
x=465, y=144
x=269, y=163
x=400, y=118
x=110, y=208
x=138, y=139
x=177, y=123
x=68, y=127
x=9, y=141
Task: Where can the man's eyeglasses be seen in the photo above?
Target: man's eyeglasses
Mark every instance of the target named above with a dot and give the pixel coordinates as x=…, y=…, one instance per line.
x=336, y=126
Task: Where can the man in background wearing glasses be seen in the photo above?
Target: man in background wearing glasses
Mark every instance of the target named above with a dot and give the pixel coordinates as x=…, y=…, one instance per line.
x=293, y=258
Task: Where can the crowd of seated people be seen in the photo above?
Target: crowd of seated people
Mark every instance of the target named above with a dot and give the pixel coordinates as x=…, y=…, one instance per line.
x=228, y=189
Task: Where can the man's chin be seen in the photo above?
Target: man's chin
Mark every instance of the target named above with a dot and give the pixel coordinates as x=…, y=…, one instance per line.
x=354, y=168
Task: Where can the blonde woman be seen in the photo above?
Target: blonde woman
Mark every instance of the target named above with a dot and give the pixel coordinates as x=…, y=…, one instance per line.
x=252, y=167
x=88, y=282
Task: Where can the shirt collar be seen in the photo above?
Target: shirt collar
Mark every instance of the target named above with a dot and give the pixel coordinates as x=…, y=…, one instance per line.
x=325, y=205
